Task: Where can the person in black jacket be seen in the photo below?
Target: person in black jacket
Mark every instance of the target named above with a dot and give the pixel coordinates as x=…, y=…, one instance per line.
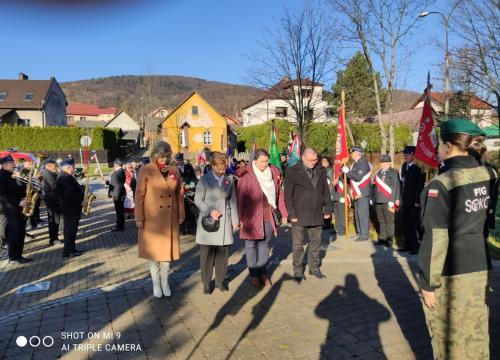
x=385, y=197
x=359, y=179
x=11, y=203
x=412, y=184
x=117, y=192
x=308, y=203
x=70, y=197
x=49, y=175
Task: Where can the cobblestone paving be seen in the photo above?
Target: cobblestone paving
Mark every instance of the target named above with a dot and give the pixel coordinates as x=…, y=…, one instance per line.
x=100, y=305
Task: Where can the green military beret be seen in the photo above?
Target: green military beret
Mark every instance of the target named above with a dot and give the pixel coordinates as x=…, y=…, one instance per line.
x=461, y=126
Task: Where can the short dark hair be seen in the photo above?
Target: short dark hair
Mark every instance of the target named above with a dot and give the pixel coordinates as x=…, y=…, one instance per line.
x=261, y=152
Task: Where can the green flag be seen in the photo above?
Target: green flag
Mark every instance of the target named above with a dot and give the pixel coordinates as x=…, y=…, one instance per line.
x=274, y=154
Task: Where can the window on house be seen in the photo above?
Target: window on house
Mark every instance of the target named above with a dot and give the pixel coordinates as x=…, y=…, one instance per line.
x=28, y=96
x=306, y=93
x=161, y=114
x=207, y=137
x=83, y=118
x=183, y=137
x=222, y=142
x=23, y=122
x=249, y=118
x=308, y=114
x=329, y=112
x=194, y=110
x=71, y=118
x=281, y=112
x=3, y=95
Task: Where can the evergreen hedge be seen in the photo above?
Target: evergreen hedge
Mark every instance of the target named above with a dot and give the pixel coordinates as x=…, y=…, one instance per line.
x=321, y=137
x=56, y=138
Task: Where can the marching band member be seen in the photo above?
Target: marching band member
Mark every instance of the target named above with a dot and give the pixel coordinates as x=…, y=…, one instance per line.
x=385, y=198
x=117, y=192
x=70, y=198
x=49, y=175
x=11, y=205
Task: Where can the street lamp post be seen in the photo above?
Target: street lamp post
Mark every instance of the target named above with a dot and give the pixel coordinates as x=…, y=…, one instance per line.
x=446, y=20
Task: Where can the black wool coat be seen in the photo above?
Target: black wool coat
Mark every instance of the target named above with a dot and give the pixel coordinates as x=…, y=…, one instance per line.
x=307, y=199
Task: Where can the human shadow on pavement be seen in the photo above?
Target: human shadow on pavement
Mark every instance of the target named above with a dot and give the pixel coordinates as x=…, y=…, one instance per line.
x=354, y=321
x=402, y=299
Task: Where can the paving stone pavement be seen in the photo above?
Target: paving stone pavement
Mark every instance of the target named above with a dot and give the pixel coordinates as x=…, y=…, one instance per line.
x=100, y=305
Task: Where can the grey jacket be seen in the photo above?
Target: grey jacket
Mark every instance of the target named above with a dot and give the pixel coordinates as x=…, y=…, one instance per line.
x=210, y=196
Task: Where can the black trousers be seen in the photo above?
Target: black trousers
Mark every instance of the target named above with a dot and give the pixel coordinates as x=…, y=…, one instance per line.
x=410, y=220
x=338, y=210
x=120, y=213
x=313, y=249
x=71, y=222
x=385, y=219
x=3, y=229
x=362, y=209
x=16, y=230
x=54, y=218
x=213, y=256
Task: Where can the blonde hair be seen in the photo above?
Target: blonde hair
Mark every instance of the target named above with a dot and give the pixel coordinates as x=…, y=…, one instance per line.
x=161, y=148
x=218, y=158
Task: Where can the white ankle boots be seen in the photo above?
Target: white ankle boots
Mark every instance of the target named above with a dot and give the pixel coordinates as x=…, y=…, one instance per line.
x=159, y=277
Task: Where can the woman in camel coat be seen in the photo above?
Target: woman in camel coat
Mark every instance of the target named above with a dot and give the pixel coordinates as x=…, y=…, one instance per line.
x=159, y=209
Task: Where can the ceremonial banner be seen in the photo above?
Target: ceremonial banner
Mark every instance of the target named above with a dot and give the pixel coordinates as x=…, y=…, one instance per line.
x=294, y=153
x=426, y=149
x=274, y=154
x=341, y=152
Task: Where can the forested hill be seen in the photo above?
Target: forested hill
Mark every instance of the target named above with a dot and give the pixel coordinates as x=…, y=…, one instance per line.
x=125, y=92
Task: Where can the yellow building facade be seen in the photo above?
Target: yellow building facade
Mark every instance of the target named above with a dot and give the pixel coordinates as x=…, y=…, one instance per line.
x=195, y=125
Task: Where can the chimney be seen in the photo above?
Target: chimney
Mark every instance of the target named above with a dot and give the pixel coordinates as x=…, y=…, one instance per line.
x=22, y=76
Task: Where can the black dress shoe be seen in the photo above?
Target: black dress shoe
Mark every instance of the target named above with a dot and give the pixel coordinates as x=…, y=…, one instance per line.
x=403, y=250
x=223, y=287
x=299, y=277
x=21, y=260
x=117, y=229
x=74, y=254
x=382, y=242
x=317, y=273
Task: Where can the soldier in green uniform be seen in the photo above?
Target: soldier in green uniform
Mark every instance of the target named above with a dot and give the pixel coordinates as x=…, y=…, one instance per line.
x=453, y=257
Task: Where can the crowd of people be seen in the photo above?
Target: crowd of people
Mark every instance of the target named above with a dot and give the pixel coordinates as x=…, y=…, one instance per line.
x=445, y=220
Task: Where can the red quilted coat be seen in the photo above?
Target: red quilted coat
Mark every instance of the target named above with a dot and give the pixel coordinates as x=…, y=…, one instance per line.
x=250, y=200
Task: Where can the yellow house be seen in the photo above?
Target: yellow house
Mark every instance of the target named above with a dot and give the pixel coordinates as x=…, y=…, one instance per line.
x=195, y=125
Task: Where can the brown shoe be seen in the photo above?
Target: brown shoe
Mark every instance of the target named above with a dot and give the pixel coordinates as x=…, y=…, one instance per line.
x=264, y=280
x=255, y=282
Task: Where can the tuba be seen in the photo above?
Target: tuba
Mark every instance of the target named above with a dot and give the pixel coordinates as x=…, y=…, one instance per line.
x=31, y=197
x=88, y=198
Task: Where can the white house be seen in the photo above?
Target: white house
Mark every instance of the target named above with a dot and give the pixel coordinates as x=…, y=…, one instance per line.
x=482, y=113
x=130, y=128
x=32, y=102
x=276, y=103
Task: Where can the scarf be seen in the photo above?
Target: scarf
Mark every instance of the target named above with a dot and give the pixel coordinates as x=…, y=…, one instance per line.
x=164, y=168
x=128, y=177
x=265, y=179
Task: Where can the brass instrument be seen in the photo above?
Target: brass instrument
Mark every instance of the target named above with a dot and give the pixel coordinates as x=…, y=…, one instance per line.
x=32, y=195
x=35, y=183
x=88, y=198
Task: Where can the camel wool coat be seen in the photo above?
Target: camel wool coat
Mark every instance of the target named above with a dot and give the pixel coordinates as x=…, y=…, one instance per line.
x=159, y=204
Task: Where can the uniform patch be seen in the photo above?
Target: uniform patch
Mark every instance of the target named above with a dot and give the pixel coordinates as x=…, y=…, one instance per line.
x=433, y=193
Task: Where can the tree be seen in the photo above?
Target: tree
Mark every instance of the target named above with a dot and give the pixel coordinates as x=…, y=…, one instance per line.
x=357, y=82
x=294, y=58
x=379, y=27
x=476, y=62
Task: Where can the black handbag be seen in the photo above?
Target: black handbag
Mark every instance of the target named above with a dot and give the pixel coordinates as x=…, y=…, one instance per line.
x=209, y=224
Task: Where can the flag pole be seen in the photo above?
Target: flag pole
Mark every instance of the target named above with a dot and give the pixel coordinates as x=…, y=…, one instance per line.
x=346, y=210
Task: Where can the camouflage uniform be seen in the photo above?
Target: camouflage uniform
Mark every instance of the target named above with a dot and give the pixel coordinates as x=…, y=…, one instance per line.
x=454, y=259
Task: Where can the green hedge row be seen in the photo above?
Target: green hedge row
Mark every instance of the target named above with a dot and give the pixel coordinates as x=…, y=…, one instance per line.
x=321, y=137
x=55, y=138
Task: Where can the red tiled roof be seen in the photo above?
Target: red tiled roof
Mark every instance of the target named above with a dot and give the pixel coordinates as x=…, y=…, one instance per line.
x=75, y=108
x=475, y=102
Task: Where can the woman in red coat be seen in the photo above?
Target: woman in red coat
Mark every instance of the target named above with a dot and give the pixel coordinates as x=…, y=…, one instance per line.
x=259, y=194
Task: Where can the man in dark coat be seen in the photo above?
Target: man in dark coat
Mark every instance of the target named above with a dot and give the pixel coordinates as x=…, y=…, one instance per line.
x=308, y=203
x=117, y=192
x=49, y=175
x=385, y=197
x=413, y=183
x=11, y=203
x=70, y=197
x=360, y=183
